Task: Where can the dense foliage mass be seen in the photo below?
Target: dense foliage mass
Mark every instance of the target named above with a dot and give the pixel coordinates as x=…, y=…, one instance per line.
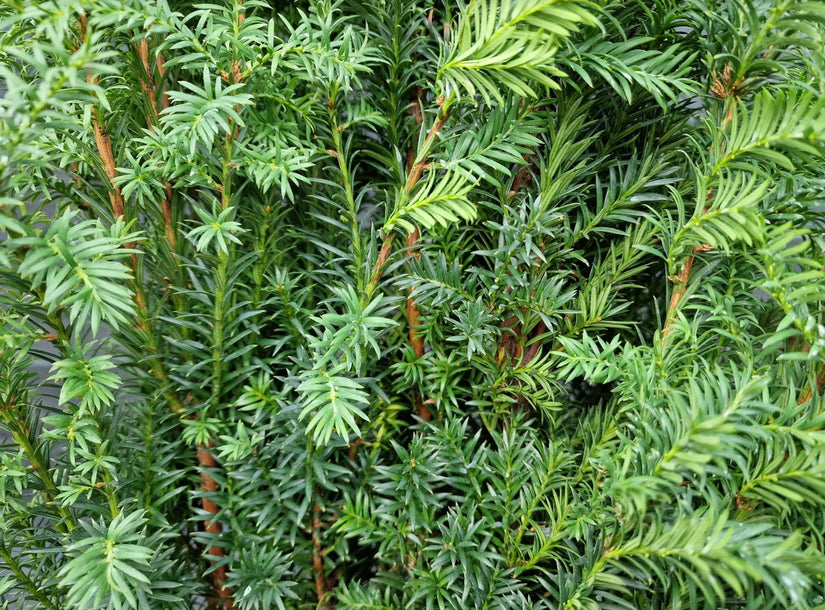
x=381, y=304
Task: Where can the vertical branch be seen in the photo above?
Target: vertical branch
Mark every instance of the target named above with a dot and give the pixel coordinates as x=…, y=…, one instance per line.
x=104, y=147
x=508, y=347
x=413, y=313
x=347, y=184
x=680, y=283
x=166, y=206
x=150, y=90
x=161, y=66
x=533, y=348
x=723, y=88
x=205, y=457
x=510, y=343
x=212, y=526
x=147, y=82
x=321, y=584
x=9, y=558
x=416, y=340
x=412, y=180
x=15, y=423
x=378, y=268
x=415, y=173
x=236, y=65
x=102, y=139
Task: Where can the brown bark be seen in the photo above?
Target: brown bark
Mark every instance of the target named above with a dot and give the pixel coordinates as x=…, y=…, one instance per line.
x=533, y=348
x=416, y=340
x=212, y=526
x=104, y=147
x=161, y=64
x=102, y=139
x=507, y=346
x=205, y=457
x=322, y=588
x=147, y=82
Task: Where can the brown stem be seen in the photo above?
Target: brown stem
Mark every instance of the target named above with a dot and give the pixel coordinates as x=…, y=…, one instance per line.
x=415, y=173
x=416, y=340
x=679, y=288
x=415, y=110
x=321, y=586
x=524, y=176
x=533, y=348
x=150, y=89
x=104, y=147
x=75, y=167
x=413, y=313
x=166, y=206
x=680, y=283
x=412, y=180
x=205, y=457
x=104, y=142
x=147, y=82
x=508, y=347
x=383, y=255
x=820, y=381
x=212, y=526
x=161, y=65
x=353, y=446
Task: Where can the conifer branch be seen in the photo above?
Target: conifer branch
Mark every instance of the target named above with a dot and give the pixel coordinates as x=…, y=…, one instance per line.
x=150, y=91
x=416, y=340
x=270, y=346
x=31, y=587
x=102, y=138
x=412, y=179
x=680, y=283
x=104, y=147
x=147, y=82
x=12, y=418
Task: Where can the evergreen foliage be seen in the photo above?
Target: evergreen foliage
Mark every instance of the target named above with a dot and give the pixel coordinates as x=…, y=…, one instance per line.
x=433, y=304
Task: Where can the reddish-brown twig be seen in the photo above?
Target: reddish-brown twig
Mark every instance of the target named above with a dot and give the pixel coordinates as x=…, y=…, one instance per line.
x=212, y=526
x=150, y=89
x=820, y=381
x=412, y=180
x=321, y=585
